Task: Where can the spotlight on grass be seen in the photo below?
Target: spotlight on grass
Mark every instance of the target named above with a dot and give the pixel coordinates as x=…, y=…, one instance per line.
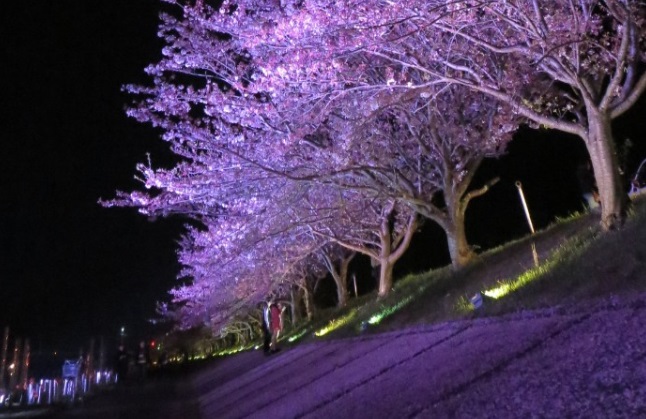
x=336, y=323
x=377, y=318
x=574, y=248
x=297, y=335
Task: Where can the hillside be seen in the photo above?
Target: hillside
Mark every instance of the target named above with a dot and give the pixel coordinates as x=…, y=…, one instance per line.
x=566, y=344
x=577, y=263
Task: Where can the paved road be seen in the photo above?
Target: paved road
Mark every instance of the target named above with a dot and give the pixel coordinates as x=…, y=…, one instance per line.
x=587, y=361
x=161, y=398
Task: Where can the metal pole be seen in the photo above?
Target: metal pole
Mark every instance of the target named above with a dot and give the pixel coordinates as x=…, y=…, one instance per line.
x=529, y=220
x=522, y=199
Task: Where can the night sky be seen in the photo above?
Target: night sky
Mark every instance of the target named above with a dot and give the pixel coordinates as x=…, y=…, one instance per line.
x=70, y=269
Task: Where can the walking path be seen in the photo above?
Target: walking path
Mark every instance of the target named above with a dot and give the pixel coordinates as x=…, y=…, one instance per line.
x=581, y=361
x=577, y=362
x=157, y=398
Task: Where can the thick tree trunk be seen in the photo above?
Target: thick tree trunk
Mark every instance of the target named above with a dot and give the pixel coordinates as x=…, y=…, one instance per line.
x=385, y=278
x=385, y=264
x=392, y=249
x=459, y=248
x=340, y=276
x=457, y=200
x=603, y=155
x=341, y=290
x=342, y=281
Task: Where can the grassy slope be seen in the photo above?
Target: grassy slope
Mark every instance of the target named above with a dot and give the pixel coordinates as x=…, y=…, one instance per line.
x=578, y=262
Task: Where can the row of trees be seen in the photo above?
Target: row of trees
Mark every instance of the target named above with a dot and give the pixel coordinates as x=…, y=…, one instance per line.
x=310, y=131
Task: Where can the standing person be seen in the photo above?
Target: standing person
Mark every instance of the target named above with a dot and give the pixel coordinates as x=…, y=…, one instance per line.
x=121, y=362
x=266, y=328
x=276, y=318
x=143, y=360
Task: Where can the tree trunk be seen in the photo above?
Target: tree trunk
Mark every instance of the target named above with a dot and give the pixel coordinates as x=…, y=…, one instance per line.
x=385, y=265
x=385, y=278
x=457, y=199
x=308, y=304
x=340, y=275
x=392, y=249
x=459, y=248
x=603, y=155
x=341, y=290
x=294, y=311
x=342, y=281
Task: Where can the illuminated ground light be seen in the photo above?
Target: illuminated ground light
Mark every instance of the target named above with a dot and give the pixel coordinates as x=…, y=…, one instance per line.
x=231, y=351
x=506, y=287
x=377, y=318
x=336, y=323
x=573, y=248
x=500, y=291
x=298, y=335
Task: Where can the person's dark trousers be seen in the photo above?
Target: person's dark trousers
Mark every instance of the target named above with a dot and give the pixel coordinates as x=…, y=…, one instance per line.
x=266, y=339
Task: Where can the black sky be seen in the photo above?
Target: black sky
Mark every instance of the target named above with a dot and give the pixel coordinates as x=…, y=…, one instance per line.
x=69, y=269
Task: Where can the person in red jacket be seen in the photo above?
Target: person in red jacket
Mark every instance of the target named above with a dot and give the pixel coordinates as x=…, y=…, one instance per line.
x=276, y=322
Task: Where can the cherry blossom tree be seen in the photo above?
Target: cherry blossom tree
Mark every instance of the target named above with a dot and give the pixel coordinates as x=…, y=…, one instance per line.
x=424, y=153
x=244, y=98
x=337, y=102
x=304, y=278
x=573, y=66
x=226, y=171
x=244, y=257
x=337, y=261
x=247, y=259
x=378, y=227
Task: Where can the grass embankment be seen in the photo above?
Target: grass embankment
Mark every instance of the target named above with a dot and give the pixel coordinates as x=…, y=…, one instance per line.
x=577, y=262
